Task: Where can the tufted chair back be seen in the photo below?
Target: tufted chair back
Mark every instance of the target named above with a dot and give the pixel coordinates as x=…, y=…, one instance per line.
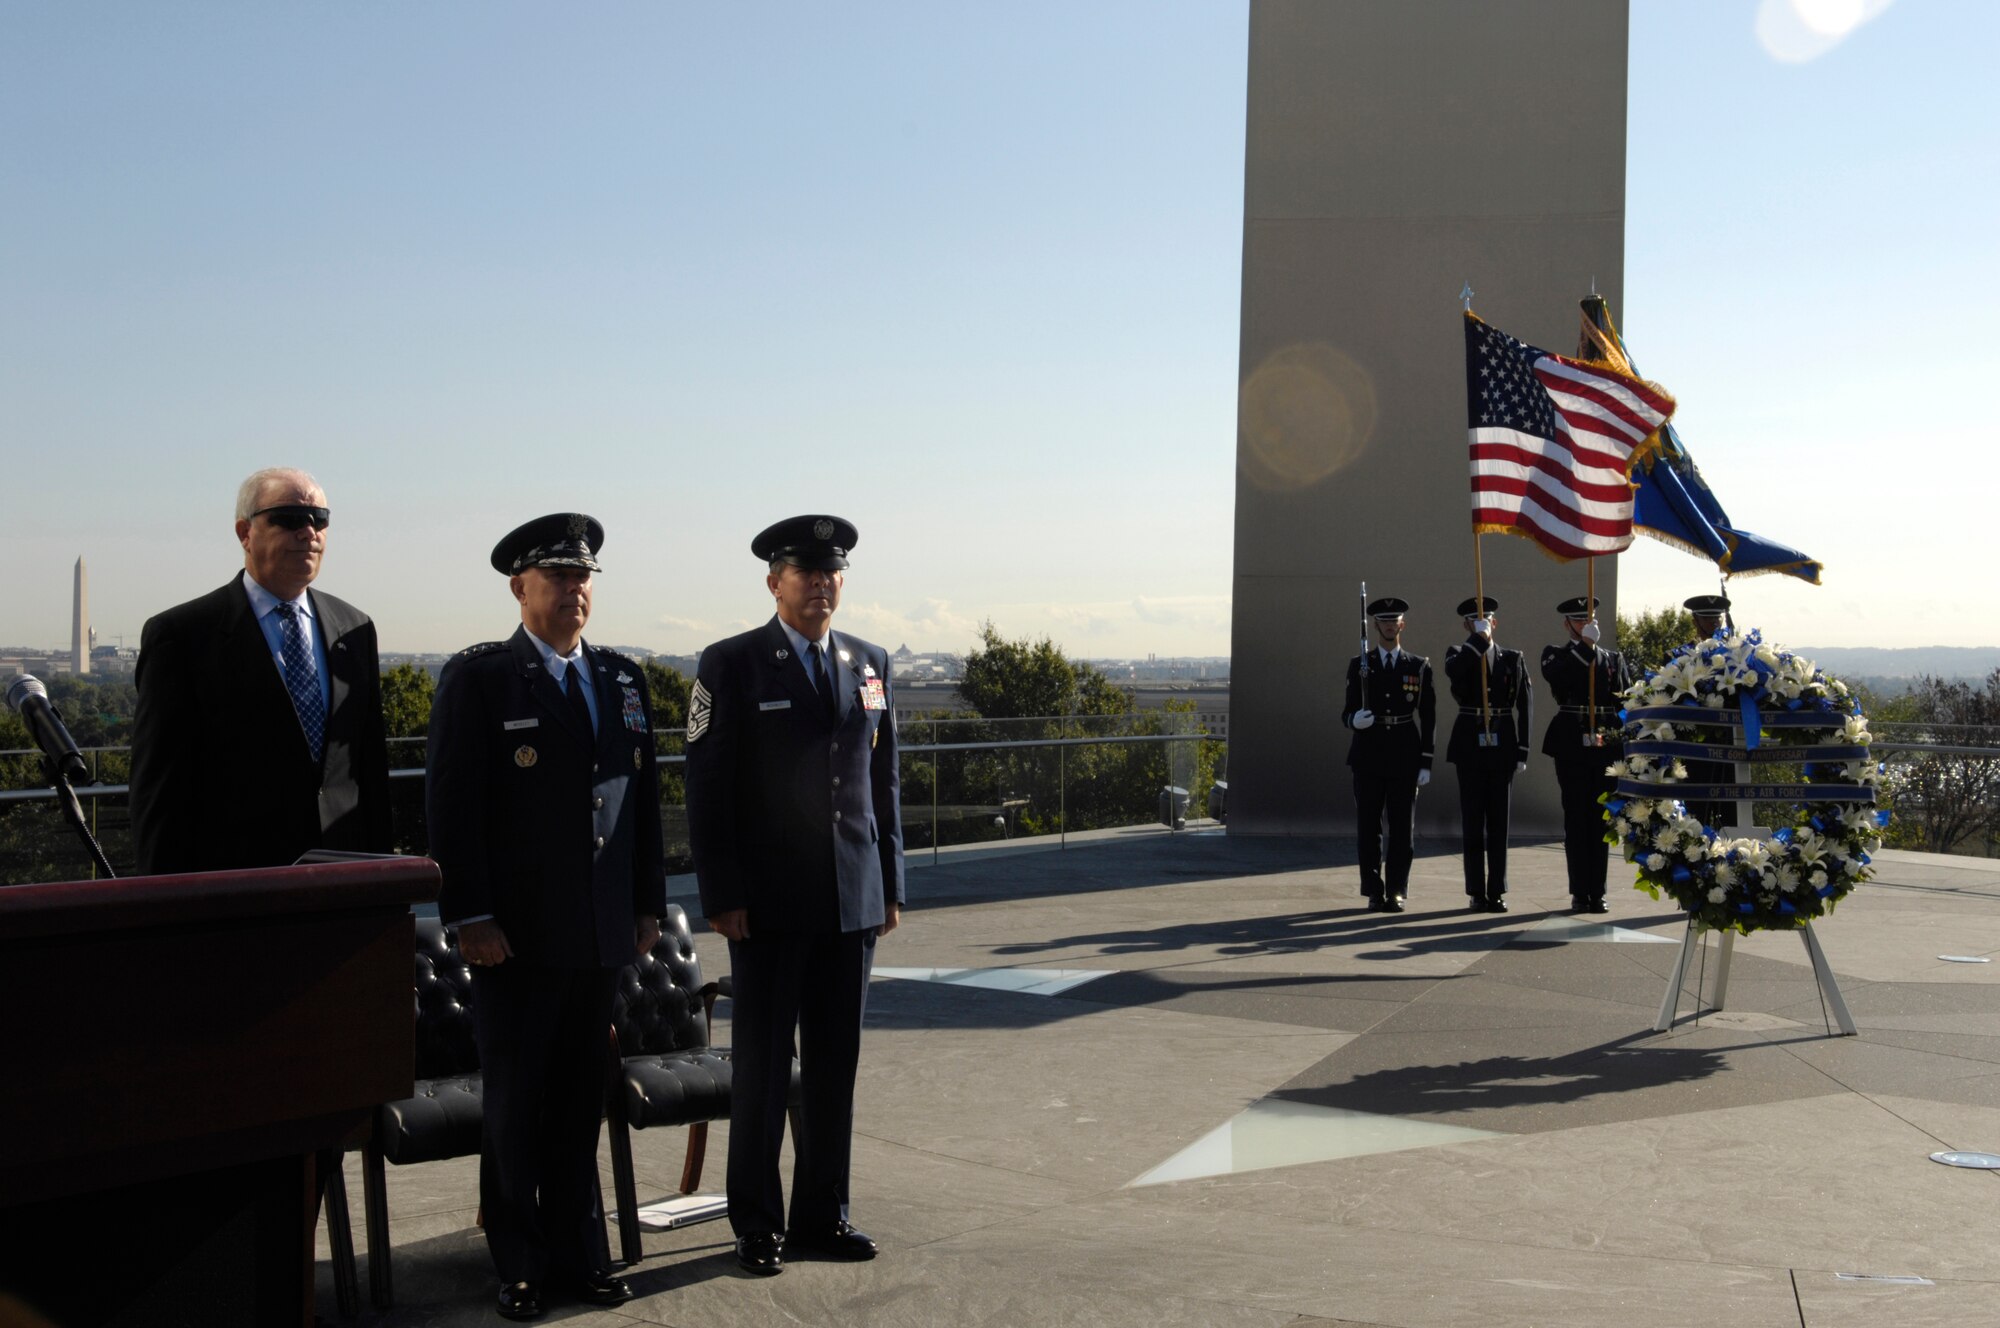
x=445, y=1047
x=658, y=1006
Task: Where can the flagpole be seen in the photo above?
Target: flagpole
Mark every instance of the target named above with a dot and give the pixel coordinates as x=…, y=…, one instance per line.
x=1590, y=605
x=1479, y=607
x=1479, y=599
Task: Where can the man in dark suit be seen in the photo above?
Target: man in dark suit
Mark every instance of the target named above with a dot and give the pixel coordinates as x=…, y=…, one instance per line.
x=795, y=821
x=1489, y=746
x=543, y=797
x=1711, y=615
x=258, y=733
x=1582, y=739
x=1392, y=709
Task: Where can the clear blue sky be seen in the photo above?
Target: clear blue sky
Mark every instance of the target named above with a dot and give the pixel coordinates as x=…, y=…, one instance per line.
x=966, y=275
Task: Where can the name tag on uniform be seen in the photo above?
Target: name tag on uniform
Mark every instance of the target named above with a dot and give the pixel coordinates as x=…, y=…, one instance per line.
x=774, y=705
x=872, y=696
x=521, y=724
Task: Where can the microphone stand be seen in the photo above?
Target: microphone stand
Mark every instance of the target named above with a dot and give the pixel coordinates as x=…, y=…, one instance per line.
x=72, y=811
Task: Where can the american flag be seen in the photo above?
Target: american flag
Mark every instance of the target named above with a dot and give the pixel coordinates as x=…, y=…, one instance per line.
x=1553, y=442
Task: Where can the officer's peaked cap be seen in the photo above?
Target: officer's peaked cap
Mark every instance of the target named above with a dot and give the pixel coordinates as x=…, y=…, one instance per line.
x=560, y=539
x=1577, y=606
x=1709, y=606
x=1389, y=607
x=817, y=543
x=1478, y=604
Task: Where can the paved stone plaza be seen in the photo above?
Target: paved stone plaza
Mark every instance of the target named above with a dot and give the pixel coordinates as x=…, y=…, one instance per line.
x=1187, y=1079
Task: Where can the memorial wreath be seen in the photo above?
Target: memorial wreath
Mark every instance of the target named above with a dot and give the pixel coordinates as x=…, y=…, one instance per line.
x=1778, y=710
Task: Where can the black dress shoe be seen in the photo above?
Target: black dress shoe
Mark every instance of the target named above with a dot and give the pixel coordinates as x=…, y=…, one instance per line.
x=1393, y=904
x=762, y=1253
x=599, y=1288
x=1577, y=904
x=1497, y=904
x=1599, y=906
x=841, y=1241
x=1375, y=904
x=522, y=1300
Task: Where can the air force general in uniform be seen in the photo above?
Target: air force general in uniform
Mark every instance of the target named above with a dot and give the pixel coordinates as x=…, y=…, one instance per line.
x=794, y=821
x=543, y=797
x=1392, y=708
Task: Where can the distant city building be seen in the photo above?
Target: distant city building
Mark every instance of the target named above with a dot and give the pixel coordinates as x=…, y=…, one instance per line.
x=80, y=636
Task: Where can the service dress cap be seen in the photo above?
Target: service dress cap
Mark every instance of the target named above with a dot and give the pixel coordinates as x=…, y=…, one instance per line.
x=1578, y=607
x=560, y=539
x=1388, y=607
x=1478, y=604
x=817, y=543
x=1709, y=606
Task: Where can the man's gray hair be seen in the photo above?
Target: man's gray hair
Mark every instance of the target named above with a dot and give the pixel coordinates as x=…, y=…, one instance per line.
x=252, y=489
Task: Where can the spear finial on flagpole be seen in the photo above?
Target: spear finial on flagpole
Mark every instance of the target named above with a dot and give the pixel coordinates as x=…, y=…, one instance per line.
x=1466, y=295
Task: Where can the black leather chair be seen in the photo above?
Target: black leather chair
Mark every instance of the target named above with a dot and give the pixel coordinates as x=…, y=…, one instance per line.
x=442, y=1118
x=664, y=1070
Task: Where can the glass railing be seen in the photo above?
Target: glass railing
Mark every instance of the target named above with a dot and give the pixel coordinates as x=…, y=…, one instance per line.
x=964, y=781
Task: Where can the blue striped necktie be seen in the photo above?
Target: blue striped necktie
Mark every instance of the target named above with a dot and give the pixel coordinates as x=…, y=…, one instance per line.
x=300, y=679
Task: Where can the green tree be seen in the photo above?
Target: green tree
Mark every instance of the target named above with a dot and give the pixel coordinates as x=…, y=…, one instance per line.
x=1018, y=679
x=1040, y=693
x=407, y=692
x=1950, y=804
x=1648, y=639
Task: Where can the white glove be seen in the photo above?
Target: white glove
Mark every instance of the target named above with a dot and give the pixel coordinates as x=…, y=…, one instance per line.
x=1520, y=767
x=1591, y=632
x=1423, y=778
x=1482, y=627
x=1363, y=718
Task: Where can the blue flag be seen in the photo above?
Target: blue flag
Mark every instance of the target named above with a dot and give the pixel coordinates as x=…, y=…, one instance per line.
x=1672, y=502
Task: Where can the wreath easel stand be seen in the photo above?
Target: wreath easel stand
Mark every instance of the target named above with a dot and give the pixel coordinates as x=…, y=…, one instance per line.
x=1718, y=992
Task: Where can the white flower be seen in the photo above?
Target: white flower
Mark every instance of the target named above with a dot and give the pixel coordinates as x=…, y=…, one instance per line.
x=1725, y=874
x=1656, y=862
x=1717, y=895
x=1818, y=878
x=1788, y=880
x=1713, y=701
x=1697, y=850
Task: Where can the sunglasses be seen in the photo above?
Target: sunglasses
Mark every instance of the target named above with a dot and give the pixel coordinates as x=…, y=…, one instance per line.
x=295, y=517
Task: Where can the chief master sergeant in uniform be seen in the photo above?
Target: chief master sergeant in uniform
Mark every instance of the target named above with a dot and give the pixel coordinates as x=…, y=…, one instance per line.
x=1582, y=739
x=1489, y=746
x=1392, y=708
x=795, y=823
x=544, y=807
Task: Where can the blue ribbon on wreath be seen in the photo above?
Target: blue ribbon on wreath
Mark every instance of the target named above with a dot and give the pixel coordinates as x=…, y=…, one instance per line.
x=1682, y=876
x=1751, y=721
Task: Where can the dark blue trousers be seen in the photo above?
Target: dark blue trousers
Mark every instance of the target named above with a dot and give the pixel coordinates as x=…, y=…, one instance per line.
x=814, y=984
x=544, y=1043
x=1393, y=792
x=1484, y=803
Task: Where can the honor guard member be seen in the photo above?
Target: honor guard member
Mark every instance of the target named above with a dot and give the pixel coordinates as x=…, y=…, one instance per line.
x=1582, y=740
x=544, y=807
x=1711, y=615
x=1489, y=746
x=795, y=822
x=1392, y=708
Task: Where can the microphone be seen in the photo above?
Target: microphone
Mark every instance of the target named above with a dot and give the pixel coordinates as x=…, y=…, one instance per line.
x=28, y=696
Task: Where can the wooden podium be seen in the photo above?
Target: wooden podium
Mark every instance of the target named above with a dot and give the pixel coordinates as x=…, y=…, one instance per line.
x=173, y=1051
